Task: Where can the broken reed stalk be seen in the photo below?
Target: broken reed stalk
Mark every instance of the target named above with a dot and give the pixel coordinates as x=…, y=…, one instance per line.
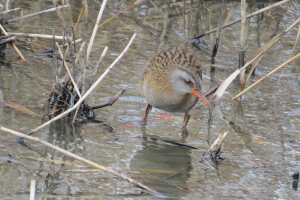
x=15, y=47
x=242, y=43
x=32, y=189
x=247, y=16
x=266, y=76
x=138, y=184
x=216, y=45
x=88, y=92
x=35, y=14
x=95, y=29
x=216, y=144
x=11, y=10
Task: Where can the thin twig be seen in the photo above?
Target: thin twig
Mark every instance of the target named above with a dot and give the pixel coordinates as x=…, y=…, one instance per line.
x=266, y=76
x=211, y=90
x=110, y=102
x=83, y=160
x=34, y=14
x=11, y=10
x=88, y=92
x=95, y=29
x=238, y=20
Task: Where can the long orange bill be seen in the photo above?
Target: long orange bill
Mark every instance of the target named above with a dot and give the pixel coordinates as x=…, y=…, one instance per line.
x=195, y=92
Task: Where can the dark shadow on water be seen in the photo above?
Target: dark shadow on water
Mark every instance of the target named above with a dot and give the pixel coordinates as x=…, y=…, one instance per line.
x=163, y=167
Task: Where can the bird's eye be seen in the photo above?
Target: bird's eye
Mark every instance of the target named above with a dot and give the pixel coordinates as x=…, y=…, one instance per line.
x=189, y=82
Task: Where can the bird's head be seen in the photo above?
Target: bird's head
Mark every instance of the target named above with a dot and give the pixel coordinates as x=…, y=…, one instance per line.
x=185, y=81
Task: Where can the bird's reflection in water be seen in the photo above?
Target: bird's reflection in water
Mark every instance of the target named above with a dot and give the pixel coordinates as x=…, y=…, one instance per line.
x=163, y=166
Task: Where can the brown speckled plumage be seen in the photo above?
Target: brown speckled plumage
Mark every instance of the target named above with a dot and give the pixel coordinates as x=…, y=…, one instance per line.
x=173, y=55
x=163, y=74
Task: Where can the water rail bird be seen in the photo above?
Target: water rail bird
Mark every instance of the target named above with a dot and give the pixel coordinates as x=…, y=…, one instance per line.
x=171, y=81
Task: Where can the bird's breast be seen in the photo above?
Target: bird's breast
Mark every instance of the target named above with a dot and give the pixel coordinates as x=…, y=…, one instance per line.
x=168, y=100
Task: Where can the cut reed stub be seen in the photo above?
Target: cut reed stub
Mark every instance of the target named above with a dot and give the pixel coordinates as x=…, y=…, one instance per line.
x=215, y=148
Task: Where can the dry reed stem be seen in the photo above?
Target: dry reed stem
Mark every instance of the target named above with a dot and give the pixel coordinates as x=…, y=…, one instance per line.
x=132, y=5
x=88, y=92
x=229, y=14
x=242, y=43
x=32, y=189
x=63, y=58
x=60, y=16
x=218, y=35
x=67, y=68
x=11, y=10
x=177, y=10
x=238, y=20
x=67, y=44
x=95, y=29
x=219, y=93
x=216, y=144
x=297, y=38
x=75, y=115
x=267, y=46
x=79, y=18
x=82, y=159
x=79, y=52
x=6, y=4
x=266, y=76
x=70, y=12
x=15, y=47
x=38, y=35
x=97, y=66
x=21, y=18
x=34, y=14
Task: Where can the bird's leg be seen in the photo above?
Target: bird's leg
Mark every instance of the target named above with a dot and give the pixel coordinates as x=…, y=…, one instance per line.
x=186, y=119
x=146, y=112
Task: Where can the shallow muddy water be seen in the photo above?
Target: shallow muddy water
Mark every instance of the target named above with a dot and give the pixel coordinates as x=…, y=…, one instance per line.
x=261, y=150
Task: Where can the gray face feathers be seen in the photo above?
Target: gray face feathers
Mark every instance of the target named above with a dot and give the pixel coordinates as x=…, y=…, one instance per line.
x=184, y=80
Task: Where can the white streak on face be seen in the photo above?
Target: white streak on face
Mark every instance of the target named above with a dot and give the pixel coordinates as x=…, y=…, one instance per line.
x=179, y=80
